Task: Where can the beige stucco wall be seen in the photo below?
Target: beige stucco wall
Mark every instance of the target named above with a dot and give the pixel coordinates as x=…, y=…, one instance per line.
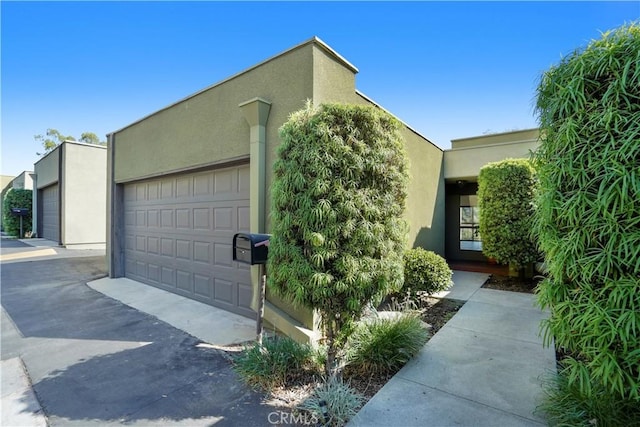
x=24, y=181
x=209, y=127
x=210, y=123
x=5, y=180
x=5, y=184
x=84, y=192
x=425, y=197
x=466, y=157
x=47, y=168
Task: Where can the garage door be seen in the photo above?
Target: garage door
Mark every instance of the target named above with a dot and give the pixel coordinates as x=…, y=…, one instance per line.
x=179, y=232
x=50, y=213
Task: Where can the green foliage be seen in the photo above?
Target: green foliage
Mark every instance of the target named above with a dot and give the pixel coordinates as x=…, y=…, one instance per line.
x=342, y=402
x=505, y=198
x=54, y=137
x=384, y=345
x=565, y=405
x=16, y=198
x=588, y=215
x=338, y=198
x=275, y=362
x=426, y=271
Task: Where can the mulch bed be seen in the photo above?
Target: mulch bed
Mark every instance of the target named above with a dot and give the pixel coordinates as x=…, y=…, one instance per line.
x=434, y=311
x=513, y=284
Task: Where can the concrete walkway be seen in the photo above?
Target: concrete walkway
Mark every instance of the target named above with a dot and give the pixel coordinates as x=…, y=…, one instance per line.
x=483, y=368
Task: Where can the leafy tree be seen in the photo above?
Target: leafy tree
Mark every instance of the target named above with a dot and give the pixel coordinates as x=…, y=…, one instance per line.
x=53, y=138
x=16, y=198
x=588, y=214
x=505, y=198
x=338, y=198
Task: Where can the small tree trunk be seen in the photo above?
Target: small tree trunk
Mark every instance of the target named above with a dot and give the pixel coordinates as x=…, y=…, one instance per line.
x=331, y=364
x=331, y=351
x=514, y=270
x=528, y=270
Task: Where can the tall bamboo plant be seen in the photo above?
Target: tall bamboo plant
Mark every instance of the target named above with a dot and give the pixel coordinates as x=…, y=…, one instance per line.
x=588, y=213
x=338, y=198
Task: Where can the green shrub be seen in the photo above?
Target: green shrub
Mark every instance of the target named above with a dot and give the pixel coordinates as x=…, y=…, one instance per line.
x=505, y=198
x=565, y=405
x=338, y=197
x=385, y=345
x=588, y=215
x=274, y=363
x=425, y=271
x=15, y=198
x=342, y=403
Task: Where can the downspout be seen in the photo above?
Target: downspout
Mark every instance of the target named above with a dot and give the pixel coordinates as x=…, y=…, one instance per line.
x=256, y=112
x=114, y=221
x=60, y=193
x=34, y=205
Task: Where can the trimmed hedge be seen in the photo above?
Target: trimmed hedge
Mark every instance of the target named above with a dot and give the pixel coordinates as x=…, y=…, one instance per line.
x=505, y=198
x=16, y=199
x=338, y=194
x=425, y=271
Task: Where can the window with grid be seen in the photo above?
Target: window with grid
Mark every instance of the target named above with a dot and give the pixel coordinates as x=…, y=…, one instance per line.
x=470, y=239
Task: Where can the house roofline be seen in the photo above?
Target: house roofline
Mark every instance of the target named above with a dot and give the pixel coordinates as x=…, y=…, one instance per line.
x=313, y=40
x=400, y=120
x=495, y=134
x=69, y=141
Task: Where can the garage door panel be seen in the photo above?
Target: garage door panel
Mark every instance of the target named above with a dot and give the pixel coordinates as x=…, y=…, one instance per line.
x=50, y=213
x=179, y=232
x=245, y=294
x=202, y=286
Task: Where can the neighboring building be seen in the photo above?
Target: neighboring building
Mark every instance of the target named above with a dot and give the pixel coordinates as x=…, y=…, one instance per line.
x=462, y=165
x=6, y=182
x=185, y=179
x=24, y=181
x=69, y=204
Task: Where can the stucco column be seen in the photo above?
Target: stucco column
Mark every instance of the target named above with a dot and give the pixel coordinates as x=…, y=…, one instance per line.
x=256, y=112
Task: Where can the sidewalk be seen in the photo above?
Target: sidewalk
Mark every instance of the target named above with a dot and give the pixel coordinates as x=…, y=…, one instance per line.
x=483, y=368
x=19, y=405
x=19, y=250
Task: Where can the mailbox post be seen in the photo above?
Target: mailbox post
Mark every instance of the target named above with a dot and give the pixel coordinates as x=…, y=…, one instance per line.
x=20, y=212
x=253, y=249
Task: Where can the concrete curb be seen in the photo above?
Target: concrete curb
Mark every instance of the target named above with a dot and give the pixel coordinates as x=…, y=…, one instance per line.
x=20, y=406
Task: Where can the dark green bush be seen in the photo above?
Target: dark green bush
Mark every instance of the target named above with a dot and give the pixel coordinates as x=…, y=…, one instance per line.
x=425, y=271
x=338, y=196
x=274, y=363
x=385, y=345
x=505, y=198
x=16, y=199
x=588, y=215
x=565, y=405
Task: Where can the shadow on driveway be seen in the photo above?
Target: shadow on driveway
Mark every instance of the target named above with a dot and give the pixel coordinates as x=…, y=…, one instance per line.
x=95, y=361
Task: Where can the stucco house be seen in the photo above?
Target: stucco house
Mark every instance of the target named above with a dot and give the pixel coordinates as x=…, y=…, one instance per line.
x=185, y=179
x=462, y=165
x=24, y=181
x=69, y=198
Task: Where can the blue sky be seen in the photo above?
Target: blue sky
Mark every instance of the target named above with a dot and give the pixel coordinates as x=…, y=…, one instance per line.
x=448, y=69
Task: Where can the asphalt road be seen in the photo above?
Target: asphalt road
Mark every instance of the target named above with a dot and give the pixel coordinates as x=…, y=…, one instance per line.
x=95, y=361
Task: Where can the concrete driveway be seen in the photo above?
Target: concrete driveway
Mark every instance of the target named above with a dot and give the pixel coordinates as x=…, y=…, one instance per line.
x=92, y=360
